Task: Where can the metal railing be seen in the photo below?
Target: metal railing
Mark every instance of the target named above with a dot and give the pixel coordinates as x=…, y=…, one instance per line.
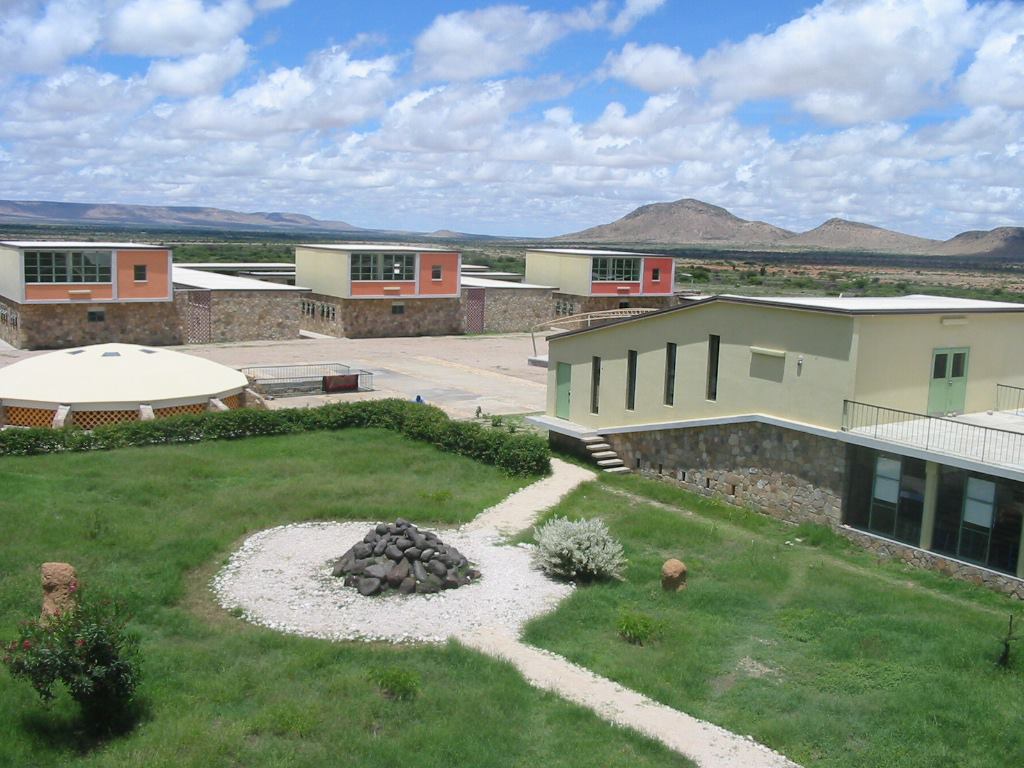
x=302, y=379
x=1010, y=399
x=586, y=320
x=935, y=433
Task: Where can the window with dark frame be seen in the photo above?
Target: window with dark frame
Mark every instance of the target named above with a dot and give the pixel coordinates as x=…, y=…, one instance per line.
x=714, y=342
x=595, y=384
x=67, y=266
x=382, y=266
x=631, y=357
x=141, y=273
x=670, y=373
x=96, y=316
x=435, y=272
x=615, y=270
x=398, y=309
x=656, y=274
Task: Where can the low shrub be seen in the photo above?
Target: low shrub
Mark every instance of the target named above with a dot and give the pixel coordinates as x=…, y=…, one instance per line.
x=516, y=453
x=583, y=550
x=636, y=628
x=396, y=682
x=88, y=651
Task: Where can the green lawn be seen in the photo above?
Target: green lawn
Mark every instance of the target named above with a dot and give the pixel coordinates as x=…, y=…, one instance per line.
x=817, y=651
x=151, y=526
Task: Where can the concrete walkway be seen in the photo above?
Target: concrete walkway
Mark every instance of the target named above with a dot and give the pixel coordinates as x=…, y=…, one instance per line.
x=705, y=744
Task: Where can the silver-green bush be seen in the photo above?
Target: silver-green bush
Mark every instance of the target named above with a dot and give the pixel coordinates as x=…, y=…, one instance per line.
x=582, y=550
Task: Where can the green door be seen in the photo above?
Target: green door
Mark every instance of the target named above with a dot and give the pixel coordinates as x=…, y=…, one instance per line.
x=563, y=379
x=947, y=390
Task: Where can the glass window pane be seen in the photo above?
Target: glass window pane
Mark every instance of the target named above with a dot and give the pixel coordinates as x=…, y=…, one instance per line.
x=959, y=364
x=939, y=366
x=982, y=490
x=978, y=513
x=887, y=489
x=889, y=468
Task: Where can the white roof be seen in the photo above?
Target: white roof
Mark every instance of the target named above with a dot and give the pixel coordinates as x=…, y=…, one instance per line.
x=376, y=248
x=472, y=281
x=882, y=304
x=244, y=265
x=79, y=244
x=214, y=281
x=592, y=252
x=115, y=376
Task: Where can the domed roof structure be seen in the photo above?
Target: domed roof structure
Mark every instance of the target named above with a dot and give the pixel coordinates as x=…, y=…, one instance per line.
x=106, y=383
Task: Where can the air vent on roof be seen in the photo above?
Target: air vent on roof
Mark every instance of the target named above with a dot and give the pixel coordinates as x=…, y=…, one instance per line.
x=149, y=351
x=111, y=354
x=76, y=351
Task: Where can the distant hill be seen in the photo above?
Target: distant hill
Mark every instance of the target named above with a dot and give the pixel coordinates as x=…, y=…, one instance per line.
x=161, y=217
x=691, y=222
x=844, y=235
x=684, y=221
x=1001, y=241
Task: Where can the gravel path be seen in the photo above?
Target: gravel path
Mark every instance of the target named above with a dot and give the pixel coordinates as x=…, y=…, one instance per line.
x=281, y=578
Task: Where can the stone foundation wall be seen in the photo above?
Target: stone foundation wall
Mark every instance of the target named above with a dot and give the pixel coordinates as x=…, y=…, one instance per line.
x=55, y=326
x=581, y=304
x=254, y=315
x=507, y=310
x=919, y=558
x=321, y=314
x=373, y=318
x=787, y=474
x=10, y=322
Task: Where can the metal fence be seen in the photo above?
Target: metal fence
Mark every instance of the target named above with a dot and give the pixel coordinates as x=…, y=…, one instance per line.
x=934, y=433
x=586, y=320
x=302, y=379
x=1010, y=399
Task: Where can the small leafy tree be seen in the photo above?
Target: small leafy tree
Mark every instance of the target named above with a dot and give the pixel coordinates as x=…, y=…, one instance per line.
x=88, y=651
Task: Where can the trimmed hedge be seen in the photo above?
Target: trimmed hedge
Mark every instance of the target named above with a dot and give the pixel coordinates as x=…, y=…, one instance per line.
x=518, y=454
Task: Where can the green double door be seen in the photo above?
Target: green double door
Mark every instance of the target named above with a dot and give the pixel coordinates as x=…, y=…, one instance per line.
x=947, y=391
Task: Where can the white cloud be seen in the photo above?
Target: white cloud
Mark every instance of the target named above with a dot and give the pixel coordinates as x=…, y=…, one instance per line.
x=32, y=42
x=175, y=27
x=467, y=45
x=653, y=68
x=270, y=5
x=847, y=62
x=205, y=73
x=996, y=76
x=632, y=12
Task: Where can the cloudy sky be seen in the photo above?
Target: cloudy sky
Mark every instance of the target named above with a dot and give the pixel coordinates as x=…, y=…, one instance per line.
x=523, y=119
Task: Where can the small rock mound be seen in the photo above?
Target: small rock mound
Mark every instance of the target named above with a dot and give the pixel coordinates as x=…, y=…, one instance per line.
x=399, y=556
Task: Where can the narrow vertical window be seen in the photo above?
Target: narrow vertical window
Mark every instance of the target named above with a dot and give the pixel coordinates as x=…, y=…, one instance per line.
x=435, y=272
x=670, y=373
x=631, y=380
x=713, y=344
x=595, y=384
x=656, y=275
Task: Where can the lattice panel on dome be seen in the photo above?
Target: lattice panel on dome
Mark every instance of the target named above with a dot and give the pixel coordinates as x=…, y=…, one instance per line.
x=29, y=417
x=232, y=401
x=93, y=419
x=179, y=410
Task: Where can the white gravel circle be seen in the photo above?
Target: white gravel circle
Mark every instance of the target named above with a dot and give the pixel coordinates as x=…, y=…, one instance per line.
x=281, y=578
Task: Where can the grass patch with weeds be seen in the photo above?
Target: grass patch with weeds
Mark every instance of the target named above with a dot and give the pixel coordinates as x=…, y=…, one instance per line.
x=151, y=526
x=812, y=647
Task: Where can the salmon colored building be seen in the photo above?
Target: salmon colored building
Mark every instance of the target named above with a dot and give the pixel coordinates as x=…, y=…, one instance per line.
x=594, y=280
x=364, y=290
x=60, y=293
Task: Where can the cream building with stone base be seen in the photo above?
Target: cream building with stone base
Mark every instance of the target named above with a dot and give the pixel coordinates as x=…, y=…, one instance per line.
x=897, y=421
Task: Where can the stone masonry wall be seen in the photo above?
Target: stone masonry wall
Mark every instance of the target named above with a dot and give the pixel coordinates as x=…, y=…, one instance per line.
x=10, y=322
x=254, y=315
x=507, y=310
x=55, y=326
x=581, y=304
x=369, y=318
x=787, y=474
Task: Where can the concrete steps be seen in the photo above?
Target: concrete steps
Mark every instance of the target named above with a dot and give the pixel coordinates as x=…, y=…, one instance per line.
x=601, y=452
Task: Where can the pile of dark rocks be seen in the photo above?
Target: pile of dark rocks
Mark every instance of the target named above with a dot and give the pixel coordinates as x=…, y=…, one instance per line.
x=400, y=556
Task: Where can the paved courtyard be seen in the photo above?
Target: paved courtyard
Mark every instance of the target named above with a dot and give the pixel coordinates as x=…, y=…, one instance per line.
x=456, y=373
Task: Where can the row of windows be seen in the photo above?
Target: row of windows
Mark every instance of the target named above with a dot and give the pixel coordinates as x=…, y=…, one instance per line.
x=8, y=317
x=319, y=309
x=384, y=266
x=68, y=267
x=620, y=270
x=669, y=393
